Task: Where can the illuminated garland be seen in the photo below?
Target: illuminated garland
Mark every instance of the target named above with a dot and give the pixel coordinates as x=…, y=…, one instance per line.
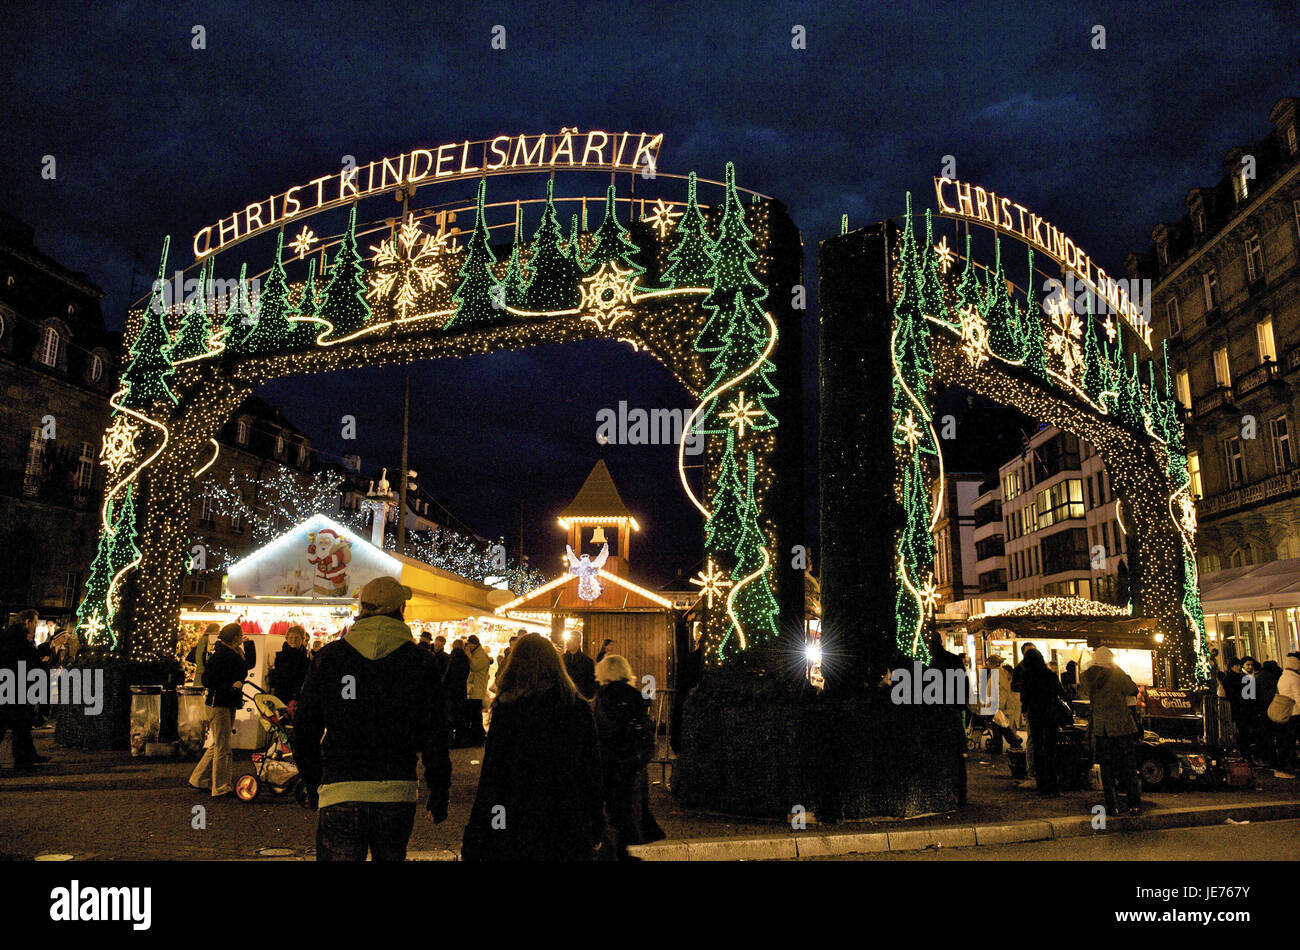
x=145, y=379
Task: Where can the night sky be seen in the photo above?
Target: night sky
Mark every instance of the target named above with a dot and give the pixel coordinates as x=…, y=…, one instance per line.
x=152, y=137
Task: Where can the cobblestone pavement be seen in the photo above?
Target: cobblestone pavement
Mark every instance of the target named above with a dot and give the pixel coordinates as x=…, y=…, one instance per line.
x=111, y=806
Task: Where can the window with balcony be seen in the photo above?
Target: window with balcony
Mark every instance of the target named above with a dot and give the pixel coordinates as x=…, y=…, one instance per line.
x=1210, y=288
x=1254, y=259
x=48, y=351
x=1280, y=435
x=1061, y=502
x=1236, y=461
x=1065, y=551
x=1183, y=389
x=1194, y=470
x=989, y=547
x=1171, y=314
x=1222, y=372
x=1264, y=338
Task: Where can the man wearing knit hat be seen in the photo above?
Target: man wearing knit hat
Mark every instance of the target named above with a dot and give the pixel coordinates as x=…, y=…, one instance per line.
x=1113, y=728
x=371, y=703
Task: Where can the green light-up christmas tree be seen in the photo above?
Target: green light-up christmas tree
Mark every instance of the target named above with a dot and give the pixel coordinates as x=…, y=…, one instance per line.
x=478, y=288
x=736, y=323
x=92, y=613
x=1094, y=367
x=692, y=257
x=238, y=322
x=145, y=379
x=723, y=529
x=273, y=331
x=1031, y=330
x=1004, y=333
x=554, y=282
x=196, y=329
x=343, y=304
x=304, y=320
x=754, y=604
x=612, y=242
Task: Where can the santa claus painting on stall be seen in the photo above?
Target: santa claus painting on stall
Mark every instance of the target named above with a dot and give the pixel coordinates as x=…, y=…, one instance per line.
x=330, y=554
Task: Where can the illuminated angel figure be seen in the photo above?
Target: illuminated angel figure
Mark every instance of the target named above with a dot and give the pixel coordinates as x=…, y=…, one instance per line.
x=587, y=570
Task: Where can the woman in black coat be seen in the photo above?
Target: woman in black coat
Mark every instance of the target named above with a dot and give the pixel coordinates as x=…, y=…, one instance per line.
x=627, y=743
x=1041, y=695
x=539, y=794
x=454, y=683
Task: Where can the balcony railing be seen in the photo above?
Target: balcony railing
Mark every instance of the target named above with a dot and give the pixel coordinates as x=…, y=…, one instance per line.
x=1292, y=359
x=1262, y=374
x=1216, y=398
x=1276, y=486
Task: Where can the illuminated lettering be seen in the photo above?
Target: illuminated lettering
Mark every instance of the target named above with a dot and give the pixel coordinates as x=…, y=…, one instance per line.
x=393, y=174
x=618, y=159
x=503, y=153
x=412, y=174
x=291, y=197
x=981, y=203
x=206, y=236
x=944, y=207
x=598, y=149
x=234, y=229
x=644, y=148
x=248, y=213
x=964, y=205
x=465, y=167
x=535, y=158
x=320, y=188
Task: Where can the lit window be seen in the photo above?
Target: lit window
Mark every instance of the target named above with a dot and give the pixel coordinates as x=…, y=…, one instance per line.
x=1171, y=313
x=34, y=471
x=242, y=431
x=207, y=513
x=1241, y=184
x=96, y=369
x=1254, y=258
x=1194, y=470
x=1235, y=460
x=237, y=519
x=1264, y=337
x=1210, y=285
x=49, y=349
x=1281, y=434
x=279, y=446
x=1222, y=375
x=1183, y=389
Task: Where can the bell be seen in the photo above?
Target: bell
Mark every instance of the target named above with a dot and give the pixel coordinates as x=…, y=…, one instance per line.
x=598, y=536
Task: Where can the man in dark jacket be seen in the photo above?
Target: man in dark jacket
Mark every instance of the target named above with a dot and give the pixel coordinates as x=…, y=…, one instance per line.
x=1114, y=731
x=18, y=647
x=223, y=675
x=454, y=683
x=440, y=655
x=580, y=668
x=291, y=665
x=370, y=705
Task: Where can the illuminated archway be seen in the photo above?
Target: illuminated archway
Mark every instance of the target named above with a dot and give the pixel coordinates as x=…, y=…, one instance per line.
x=706, y=291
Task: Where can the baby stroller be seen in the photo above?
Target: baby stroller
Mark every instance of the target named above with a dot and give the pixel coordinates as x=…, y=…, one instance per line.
x=274, y=768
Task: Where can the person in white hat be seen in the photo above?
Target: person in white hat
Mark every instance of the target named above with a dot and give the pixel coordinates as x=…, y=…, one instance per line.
x=371, y=703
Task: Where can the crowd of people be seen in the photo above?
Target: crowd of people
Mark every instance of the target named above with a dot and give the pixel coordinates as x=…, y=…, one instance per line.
x=563, y=773
x=1264, y=699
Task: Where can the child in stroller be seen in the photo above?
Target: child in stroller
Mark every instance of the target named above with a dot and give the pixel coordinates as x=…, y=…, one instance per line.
x=275, y=767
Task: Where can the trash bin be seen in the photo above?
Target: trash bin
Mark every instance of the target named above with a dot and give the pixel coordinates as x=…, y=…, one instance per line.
x=146, y=716
x=191, y=719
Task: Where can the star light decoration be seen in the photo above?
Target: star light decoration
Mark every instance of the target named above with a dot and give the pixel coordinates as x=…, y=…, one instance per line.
x=410, y=261
x=118, y=448
x=974, y=336
x=1187, y=514
x=662, y=218
x=93, y=626
x=711, y=582
x=929, y=594
x=303, y=242
x=1066, y=337
x=741, y=412
x=607, y=291
x=947, y=256
x=911, y=431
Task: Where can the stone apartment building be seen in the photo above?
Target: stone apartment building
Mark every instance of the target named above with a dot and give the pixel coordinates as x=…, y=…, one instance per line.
x=58, y=368
x=1226, y=296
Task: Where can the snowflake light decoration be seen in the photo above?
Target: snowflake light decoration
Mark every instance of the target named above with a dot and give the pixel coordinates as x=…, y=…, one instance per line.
x=118, y=448
x=947, y=256
x=741, y=412
x=92, y=627
x=607, y=291
x=910, y=430
x=974, y=336
x=711, y=582
x=408, y=264
x=303, y=242
x=1109, y=325
x=1066, y=339
x=929, y=594
x=662, y=218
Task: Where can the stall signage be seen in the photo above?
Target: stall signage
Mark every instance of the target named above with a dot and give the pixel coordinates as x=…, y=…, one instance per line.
x=1172, y=702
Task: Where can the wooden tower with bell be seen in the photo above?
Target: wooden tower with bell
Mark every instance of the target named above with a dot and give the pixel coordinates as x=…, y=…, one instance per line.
x=597, y=516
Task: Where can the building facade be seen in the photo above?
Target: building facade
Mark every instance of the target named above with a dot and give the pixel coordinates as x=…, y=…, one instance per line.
x=1226, y=298
x=58, y=369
